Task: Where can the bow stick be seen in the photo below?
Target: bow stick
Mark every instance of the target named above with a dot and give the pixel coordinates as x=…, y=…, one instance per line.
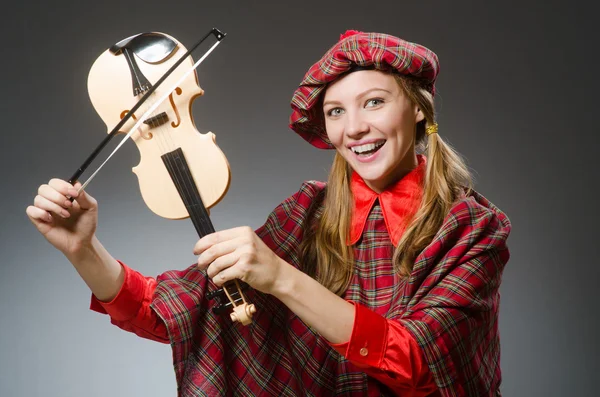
x=218, y=34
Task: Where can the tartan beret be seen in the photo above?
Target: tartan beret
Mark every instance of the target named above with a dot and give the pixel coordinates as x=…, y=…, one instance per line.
x=356, y=49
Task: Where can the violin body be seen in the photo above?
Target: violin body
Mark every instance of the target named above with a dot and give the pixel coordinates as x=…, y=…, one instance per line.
x=171, y=127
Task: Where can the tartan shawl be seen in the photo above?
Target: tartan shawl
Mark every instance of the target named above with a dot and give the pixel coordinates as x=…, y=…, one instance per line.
x=450, y=303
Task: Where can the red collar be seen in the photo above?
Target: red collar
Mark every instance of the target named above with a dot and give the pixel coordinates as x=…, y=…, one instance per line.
x=398, y=203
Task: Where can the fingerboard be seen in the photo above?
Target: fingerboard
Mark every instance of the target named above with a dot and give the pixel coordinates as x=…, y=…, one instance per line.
x=184, y=182
x=180, y=173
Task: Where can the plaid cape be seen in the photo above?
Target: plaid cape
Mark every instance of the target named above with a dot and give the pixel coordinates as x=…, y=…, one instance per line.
x=450, y=303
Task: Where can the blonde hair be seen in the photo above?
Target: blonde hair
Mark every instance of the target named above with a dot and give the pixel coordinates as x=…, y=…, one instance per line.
x=324, y=252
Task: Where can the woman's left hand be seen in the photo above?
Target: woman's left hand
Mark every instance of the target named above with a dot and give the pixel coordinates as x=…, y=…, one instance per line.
x=239, y=254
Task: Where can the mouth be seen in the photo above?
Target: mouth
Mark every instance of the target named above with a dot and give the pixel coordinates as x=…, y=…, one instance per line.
x=367, y=149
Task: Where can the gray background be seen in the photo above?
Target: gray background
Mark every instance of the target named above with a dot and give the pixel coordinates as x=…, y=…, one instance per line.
x=516, y=96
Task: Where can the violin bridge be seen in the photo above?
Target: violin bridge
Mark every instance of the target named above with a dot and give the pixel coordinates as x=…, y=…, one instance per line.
x=158, y=120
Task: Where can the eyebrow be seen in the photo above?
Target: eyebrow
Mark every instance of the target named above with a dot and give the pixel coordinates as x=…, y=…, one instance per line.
x=362, y=94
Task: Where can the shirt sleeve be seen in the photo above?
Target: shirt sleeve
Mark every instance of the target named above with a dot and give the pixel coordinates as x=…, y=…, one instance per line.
x=130, y=309
x=388, y=353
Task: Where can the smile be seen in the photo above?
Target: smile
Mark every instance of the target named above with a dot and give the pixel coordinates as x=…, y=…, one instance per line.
x=368, y=148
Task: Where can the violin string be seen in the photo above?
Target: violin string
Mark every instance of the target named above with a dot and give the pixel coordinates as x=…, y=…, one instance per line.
x=181, y=177
x=205, y=227
x=162, y=143
x=184, y=182
x=163, y=133
x=165, y=141
x=148, y=127
x=156, y=137
x=161, y=138
x=167, y=144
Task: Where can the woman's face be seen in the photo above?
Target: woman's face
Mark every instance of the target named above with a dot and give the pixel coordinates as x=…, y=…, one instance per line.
x=371, y=123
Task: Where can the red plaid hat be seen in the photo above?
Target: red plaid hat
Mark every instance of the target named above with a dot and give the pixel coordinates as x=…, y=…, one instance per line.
x=374, y=50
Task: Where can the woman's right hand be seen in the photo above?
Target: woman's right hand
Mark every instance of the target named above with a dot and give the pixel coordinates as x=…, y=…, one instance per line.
x=68, y=226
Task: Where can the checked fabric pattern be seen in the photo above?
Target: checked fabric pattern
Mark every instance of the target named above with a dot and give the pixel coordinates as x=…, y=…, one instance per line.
x=445, y=303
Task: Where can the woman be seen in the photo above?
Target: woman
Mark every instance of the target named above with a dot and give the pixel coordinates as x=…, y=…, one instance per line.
x=384, y=281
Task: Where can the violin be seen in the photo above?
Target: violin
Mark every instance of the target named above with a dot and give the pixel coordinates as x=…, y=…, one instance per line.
x=144, y=86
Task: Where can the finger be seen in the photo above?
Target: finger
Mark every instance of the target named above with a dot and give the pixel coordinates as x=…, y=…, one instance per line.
x=85, y=201
x=221, y=263
x=61, y=186
x=217, y=237
x=51, y=193
x=228, y=274
x=45, y=204
x=221, y=278
x=68, y=190
x=215, y=251
x=37, y=215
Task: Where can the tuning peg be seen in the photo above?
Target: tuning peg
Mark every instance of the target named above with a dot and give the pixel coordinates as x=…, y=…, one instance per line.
x=218, y=293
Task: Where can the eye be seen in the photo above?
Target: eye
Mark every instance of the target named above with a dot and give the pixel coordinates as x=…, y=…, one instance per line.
x=374, y=102
x=334, y=112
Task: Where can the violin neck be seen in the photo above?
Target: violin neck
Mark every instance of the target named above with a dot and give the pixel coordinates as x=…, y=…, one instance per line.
x=180, y=173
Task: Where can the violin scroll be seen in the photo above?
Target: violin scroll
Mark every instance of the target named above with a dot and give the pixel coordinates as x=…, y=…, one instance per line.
x=243, y=313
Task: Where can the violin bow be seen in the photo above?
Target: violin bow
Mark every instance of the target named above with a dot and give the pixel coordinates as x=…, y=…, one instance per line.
x=219, y=36
x=241, y=311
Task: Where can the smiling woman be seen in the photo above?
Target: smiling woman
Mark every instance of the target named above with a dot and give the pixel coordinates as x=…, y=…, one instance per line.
x=382, y=281
x=372, y=125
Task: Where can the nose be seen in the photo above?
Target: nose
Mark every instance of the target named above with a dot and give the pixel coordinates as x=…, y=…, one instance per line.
x=355, y=126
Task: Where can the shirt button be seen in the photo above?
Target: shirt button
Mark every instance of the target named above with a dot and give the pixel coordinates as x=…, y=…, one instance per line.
x=363, y=352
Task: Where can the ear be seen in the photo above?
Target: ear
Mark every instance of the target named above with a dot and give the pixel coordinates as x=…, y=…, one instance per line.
x=419, y=115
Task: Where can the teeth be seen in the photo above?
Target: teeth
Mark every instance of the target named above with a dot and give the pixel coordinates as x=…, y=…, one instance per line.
x=365, y=148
